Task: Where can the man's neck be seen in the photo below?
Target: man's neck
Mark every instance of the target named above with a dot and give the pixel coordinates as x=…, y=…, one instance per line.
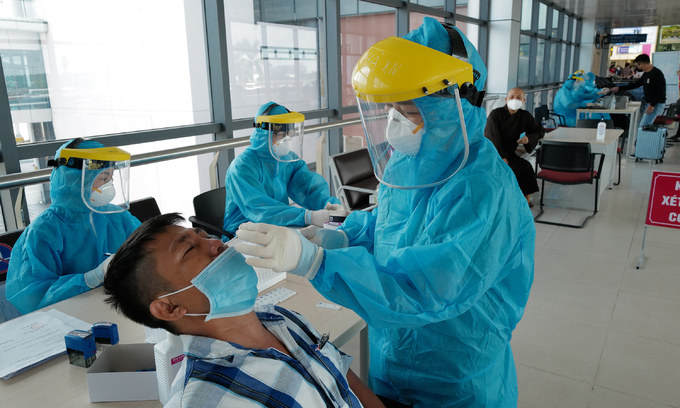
x=246, y=330
x=648, y=68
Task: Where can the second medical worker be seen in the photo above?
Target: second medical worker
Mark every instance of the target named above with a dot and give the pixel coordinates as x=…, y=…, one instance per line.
x=441, y=269
x=261, y=180
x=66, y=249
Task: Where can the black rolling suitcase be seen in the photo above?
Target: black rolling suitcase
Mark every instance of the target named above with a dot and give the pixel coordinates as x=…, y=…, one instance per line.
x=651, y=143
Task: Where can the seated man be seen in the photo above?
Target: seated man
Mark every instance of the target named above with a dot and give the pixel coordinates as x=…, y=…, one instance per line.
x=509, y=126
x=175, y=278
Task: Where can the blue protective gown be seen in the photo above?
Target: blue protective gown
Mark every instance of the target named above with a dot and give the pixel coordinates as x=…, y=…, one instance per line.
x=259, y=186
x=576, y=94
x=53, y=253
x=442, y=274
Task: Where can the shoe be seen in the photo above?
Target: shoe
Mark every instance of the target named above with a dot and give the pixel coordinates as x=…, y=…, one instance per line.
x=531, y=205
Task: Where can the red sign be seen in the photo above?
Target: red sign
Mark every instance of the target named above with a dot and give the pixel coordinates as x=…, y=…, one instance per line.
x=664, y=200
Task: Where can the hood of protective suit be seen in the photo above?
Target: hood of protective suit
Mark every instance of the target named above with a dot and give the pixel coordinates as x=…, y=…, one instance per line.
x=260, y=137
x=65, y=182
x=441, y=149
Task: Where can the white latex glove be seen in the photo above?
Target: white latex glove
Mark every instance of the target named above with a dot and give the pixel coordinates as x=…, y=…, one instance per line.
x=279, y=249
x=309, y=232
x=95, y=277
x=603, y=91
x=319, y=218
x=334, y=207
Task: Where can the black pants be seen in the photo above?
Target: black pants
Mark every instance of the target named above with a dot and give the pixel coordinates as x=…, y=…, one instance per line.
x=524, y=173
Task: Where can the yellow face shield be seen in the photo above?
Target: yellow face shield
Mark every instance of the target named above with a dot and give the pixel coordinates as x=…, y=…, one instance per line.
x=286, y=135
x=105, y=181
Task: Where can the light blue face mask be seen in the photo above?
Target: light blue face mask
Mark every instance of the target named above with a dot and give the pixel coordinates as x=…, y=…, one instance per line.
x=229, y=283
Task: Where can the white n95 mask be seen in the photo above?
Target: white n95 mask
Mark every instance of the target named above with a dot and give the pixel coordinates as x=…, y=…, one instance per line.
x=515, y=104
x=103, y=195
x=282, y=148
x=229, y=283
x=402, y=134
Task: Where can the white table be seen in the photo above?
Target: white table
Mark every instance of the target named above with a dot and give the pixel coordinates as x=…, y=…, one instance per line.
x=60, y=384
x=633, y=111
x=582, y=196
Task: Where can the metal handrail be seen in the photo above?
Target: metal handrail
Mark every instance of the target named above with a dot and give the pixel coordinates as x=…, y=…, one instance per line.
x=43, y=176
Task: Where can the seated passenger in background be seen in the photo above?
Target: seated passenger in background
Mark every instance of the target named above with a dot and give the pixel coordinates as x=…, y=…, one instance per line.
x=509, y=126
x=262, y=179
x=175, y=278
x=65, y=250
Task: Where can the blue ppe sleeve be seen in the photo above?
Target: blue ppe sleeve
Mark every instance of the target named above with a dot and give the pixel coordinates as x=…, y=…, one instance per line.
x=441, y=275
x=359, y=227
x=310, y=258
x=250, y=195
x=308, y=189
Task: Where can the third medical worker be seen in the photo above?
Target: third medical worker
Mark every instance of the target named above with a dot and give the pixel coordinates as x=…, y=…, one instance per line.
x=441, y=269
x=262, y=179
x=65, y=251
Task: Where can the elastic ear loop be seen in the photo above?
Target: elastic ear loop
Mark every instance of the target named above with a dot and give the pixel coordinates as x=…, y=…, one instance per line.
x=182, y=290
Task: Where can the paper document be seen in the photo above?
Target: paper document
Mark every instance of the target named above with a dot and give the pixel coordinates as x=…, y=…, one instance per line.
x=33, y=339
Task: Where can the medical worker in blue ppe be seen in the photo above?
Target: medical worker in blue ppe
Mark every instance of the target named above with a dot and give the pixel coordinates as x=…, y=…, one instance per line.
x=65, y=251
x=576, y=92
x=262, y=179
x=441, y=269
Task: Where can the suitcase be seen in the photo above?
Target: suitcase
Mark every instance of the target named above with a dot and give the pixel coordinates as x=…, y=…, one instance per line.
x=651, y=143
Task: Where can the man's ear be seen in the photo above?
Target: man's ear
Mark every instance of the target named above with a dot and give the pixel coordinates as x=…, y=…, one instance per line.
x=162, y=309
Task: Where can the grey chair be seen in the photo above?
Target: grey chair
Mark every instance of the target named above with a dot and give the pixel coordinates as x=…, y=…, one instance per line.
x=144, y=208
x=352, y=174
x=209, y=210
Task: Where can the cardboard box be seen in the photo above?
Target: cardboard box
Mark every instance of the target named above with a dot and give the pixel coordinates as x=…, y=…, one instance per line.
x=124, y=372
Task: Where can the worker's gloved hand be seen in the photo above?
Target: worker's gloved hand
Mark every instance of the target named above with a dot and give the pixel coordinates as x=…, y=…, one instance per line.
x=330, y=239
x=318, y=218
x=603, y=91
x=334, y=207
x=279, y=249
x=95, y=277
x=309, y=232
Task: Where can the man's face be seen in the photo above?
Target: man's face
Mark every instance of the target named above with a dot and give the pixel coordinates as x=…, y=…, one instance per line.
x=409, y=110
x=181, y=254
x=641, y=65
x=102, y=178
x=515, y=94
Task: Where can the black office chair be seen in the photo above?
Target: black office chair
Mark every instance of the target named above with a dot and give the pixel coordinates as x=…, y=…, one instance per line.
x=567, y=164
x=592, y=124
x=209, y=210
x=542, y=112
x=352, y=174
x=7, y=241
x=144, y=208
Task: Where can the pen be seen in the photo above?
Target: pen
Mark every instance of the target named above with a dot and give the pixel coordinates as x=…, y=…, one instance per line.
x=323, y=341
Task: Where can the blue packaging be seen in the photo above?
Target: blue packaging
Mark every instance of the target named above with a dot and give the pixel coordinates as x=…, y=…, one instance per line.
x=105, y=334
x=81, y=348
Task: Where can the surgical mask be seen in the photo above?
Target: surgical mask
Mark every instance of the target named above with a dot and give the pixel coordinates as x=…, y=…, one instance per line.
x=229, y=283
x=103, y=195
x=515, y=104
x=402, y=134
x=282, y=147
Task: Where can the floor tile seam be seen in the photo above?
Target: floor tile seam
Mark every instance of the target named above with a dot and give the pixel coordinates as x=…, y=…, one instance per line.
x=556, y=374
x=599, y=285
x=607, y=327
x=643, y=337
x=626, y=290
x=634, y=396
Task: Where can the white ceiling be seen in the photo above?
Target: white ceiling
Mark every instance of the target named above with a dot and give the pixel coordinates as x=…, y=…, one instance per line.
x=626, y=13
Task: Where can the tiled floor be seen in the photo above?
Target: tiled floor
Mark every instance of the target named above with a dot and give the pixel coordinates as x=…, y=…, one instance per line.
x=598, y=333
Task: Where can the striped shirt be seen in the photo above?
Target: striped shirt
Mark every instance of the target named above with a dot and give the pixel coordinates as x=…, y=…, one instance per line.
x=221, y=374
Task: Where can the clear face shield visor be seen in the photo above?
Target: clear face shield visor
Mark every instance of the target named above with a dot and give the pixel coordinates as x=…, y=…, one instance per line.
x=394, y=132
x=105, y=180
x=286, y=141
